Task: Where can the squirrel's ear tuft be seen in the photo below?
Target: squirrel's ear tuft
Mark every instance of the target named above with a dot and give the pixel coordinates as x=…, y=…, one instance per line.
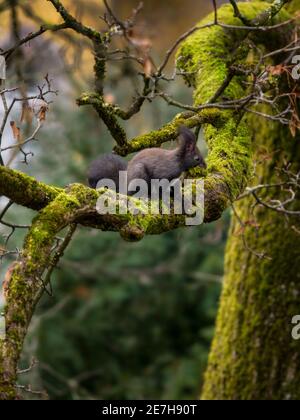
x=187, y=138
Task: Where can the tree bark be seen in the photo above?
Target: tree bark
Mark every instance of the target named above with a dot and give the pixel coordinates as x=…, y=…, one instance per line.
x=253, y=354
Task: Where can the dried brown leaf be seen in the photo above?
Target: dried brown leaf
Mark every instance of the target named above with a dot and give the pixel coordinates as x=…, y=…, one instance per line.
x=7, y=279
x=39, y=108
x=277, y=70
x=42, y=113
x=294, y=124
x=16, y=131
x=26, y=115
x=147, y=67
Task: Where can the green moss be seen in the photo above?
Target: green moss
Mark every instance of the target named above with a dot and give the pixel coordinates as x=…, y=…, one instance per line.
x=230, y=155
x=253, y=355
x=25, y=190
x=132, y=232
x=294, y=6
x=207, y=54
x=25, y=282
x=169, y=132
x=205, y=57
x=100, y=50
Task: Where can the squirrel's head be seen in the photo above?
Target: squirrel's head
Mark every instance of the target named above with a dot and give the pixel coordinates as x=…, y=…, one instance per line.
x=190, y=155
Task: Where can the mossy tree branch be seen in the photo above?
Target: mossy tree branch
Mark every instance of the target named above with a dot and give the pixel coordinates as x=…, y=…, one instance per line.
x=107, y=114
x=26, y=283
x=24, y=190
x=253, y=355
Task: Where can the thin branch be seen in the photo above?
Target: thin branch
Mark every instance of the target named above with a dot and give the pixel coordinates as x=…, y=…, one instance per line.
x=214, y=2
x=72, y=23
x=239, y=15
x=225, y=26
x=178, y=42
x=33, y=35
x=249, y=190
x=5, y=210
x=67, y=36
x=33, y=363
x=115, y=19
x=108, y=115
x=280, y=207
x=60, y=252
x=29, y=390
x=23, y=143
x=137, y=104
x=260, y=255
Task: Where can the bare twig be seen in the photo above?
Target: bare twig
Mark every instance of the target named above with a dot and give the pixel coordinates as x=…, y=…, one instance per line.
x=239, y=15
x=33, y=35
x=59, y=253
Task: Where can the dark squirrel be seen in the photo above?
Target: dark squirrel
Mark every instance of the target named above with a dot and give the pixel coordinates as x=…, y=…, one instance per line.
x=154, y=163
x=106, y=166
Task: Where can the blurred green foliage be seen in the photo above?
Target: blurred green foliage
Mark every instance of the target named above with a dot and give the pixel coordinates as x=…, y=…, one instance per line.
x=138, y=319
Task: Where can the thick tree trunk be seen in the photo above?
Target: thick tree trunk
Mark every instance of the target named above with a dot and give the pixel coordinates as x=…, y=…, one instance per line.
x=253, y=354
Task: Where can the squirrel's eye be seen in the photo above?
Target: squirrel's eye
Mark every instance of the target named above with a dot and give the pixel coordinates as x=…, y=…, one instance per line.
x=197, y=158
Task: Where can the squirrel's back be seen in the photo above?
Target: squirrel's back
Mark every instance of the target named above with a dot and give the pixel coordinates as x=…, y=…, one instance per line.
x=106, y=166
x=156, y=163
x=149, y=164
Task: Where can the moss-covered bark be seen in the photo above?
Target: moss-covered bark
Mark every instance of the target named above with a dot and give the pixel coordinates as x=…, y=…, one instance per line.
x=26, y=285
x=253, y=355
x=206, y=58
x=24, y=190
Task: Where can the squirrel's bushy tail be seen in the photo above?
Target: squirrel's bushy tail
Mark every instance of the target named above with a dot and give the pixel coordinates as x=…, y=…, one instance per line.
x=106, y=166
